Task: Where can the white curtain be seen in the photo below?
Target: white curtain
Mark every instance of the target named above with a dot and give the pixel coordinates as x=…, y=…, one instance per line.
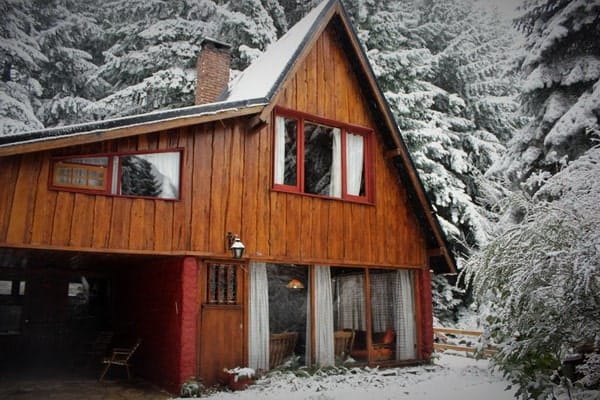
x=279, y=167
x=381, y=297
x=324, y=349
x=335, y=185
x=115, y=174
x=258, y=332
x=355, y=163
x=350, y=302
x=308, y=336
x=403, y=295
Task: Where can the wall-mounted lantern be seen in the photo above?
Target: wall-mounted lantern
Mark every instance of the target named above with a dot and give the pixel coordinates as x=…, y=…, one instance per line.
x=235, y=245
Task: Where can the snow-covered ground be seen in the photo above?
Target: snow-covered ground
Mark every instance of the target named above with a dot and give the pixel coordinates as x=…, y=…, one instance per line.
x=451, y=377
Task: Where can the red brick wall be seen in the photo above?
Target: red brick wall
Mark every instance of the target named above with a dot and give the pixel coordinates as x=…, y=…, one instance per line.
x=189, y=311
x=156, y=302
x=212, y=70
x=426, y=314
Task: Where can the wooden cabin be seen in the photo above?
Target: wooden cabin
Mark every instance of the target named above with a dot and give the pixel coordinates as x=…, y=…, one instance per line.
x=126, y=225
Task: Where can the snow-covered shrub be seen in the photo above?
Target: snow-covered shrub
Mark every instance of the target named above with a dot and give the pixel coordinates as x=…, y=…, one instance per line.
x=542, y=272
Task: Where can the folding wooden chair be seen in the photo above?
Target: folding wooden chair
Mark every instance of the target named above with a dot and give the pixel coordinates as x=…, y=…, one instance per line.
x=120, y=356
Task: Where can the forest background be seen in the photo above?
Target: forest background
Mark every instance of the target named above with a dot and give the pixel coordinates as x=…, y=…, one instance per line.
x=500, y=116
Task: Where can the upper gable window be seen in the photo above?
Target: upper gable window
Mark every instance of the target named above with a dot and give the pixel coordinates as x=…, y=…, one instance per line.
x=321, y=157
x=141, y=174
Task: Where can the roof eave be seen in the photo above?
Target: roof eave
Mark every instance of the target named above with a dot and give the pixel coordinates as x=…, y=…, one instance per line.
x=125, y=127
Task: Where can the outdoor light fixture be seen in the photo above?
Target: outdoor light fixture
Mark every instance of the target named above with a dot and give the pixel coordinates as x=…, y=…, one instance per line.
x=294, y=284
x=235, y=245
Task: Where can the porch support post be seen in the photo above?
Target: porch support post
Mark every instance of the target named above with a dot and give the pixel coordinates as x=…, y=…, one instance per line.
x=426, y=300
x=188, y=312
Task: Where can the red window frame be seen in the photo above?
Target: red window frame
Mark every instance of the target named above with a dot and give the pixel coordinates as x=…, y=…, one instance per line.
x=107, y=191
x=344, y=128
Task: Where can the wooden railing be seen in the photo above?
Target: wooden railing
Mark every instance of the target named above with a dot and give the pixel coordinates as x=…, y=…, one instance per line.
x=459, y=347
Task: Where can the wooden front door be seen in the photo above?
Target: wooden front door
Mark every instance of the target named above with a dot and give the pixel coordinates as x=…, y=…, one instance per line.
x=221, y=331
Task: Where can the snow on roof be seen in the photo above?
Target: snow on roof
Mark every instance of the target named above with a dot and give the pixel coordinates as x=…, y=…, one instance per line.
x=264, y=75
x=130, y=121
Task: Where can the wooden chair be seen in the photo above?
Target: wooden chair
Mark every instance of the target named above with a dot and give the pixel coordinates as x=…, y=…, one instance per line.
x=343, y=343
x=281, y=347
x=120, y=356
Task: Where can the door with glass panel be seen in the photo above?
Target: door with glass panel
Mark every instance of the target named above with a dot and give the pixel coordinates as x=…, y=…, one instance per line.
x=221, y=327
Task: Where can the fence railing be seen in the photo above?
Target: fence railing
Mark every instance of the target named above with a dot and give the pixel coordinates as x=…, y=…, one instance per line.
x=467, y=347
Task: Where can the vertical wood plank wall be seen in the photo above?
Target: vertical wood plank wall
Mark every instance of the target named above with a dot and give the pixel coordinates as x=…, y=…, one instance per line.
x=226, y=186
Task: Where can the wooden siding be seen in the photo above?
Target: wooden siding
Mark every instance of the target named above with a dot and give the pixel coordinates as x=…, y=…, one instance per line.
x=226, y=186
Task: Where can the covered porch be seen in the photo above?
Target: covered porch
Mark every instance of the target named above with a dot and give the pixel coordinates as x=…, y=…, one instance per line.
x=57, y=306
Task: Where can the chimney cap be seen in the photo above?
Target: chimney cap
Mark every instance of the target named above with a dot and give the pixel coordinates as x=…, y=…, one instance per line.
x=217, y=43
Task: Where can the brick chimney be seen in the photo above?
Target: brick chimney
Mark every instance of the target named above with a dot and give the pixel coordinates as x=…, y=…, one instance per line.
x=212, y=68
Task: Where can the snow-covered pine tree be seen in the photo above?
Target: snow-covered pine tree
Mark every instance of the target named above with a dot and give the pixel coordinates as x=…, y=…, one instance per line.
x=561, y=88
x=446, y=298
x=296, y=9
x=21, y=59
x=476, y=61
x=413, y=46
x=153, y=47
x=542, y=265
x=71, y=40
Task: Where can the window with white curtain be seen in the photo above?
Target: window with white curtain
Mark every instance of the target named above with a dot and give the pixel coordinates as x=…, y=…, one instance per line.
x=156, y=174
x=320, y=157
x=391, y=326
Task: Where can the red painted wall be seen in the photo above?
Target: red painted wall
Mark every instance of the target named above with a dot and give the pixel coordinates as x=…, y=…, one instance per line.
x=424, y=280
x=156, y=301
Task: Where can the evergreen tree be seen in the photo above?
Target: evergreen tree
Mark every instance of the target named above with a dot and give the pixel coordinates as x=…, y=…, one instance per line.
x=437, y=95
x=153, y=47
x=447, y=298
x=561, y=89
x=21, y=59
x=71, y=40
x=296, y=9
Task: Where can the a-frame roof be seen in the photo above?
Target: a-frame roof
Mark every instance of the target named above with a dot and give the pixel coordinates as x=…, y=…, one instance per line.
x=255, y=92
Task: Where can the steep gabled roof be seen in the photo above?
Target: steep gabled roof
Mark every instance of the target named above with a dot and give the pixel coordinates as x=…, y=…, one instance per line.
x=255, y=91
x=268, y=75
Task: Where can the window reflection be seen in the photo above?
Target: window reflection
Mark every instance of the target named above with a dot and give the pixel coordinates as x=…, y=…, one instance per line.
x=151, y=175
x=144, y=174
